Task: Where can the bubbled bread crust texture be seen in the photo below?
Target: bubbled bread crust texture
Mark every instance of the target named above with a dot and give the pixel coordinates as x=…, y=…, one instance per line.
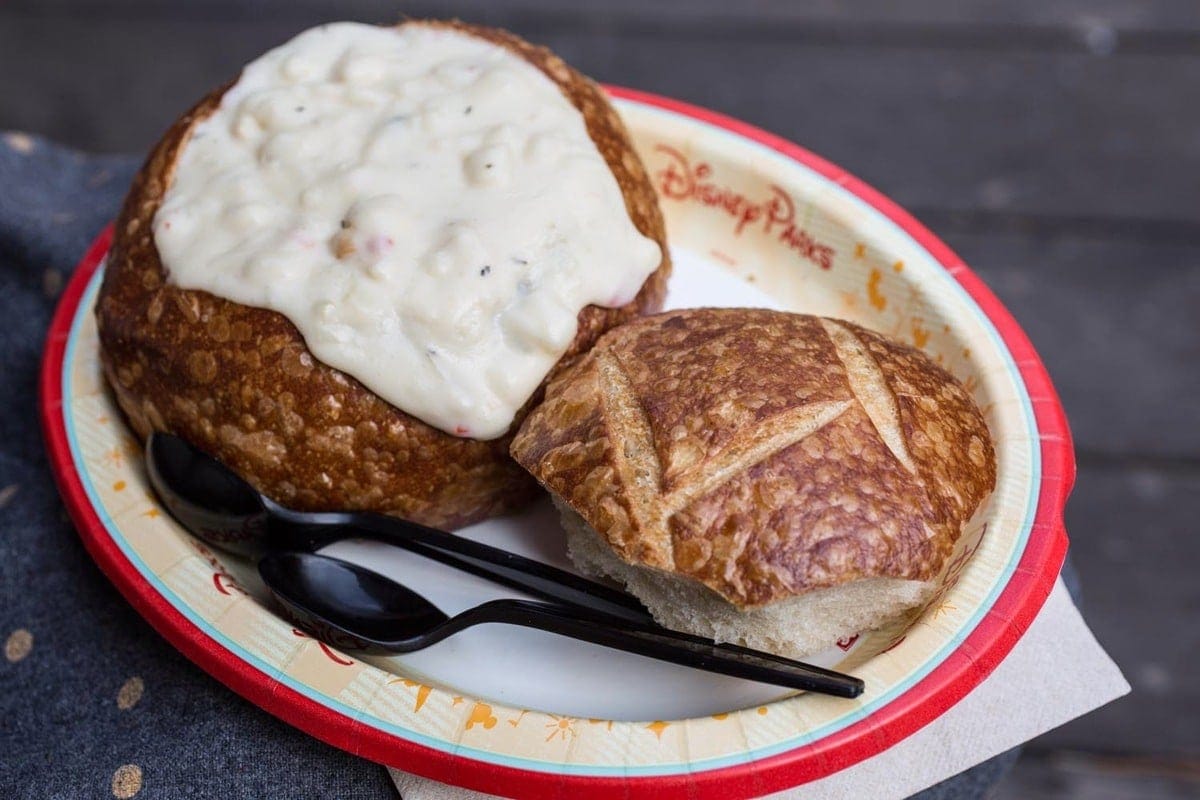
x=761, y=453
x=240, y=382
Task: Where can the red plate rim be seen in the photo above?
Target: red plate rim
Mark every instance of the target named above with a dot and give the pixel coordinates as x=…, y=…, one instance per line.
x=967, y=666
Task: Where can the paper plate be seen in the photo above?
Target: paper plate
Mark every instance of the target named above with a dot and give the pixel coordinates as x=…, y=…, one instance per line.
x=753, y=220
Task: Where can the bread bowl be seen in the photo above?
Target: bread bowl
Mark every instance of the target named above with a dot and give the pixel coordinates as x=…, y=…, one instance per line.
x=242, y=382
x=771, y=479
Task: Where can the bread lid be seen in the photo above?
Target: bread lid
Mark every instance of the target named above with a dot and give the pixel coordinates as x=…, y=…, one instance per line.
x=762, y=453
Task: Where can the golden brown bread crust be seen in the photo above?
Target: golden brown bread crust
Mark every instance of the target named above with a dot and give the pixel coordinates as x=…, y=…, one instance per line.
x=761, y=453
x=240, y=382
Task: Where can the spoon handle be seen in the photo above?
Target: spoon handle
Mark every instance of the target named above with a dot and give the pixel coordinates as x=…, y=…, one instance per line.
x=661, y=644
x=476, y=558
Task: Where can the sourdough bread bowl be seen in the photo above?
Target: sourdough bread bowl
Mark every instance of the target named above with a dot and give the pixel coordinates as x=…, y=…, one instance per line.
x=242, y=383
x=770, y=479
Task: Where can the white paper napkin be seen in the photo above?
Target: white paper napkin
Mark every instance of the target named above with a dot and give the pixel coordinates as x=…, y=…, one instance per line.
x=1024, y=697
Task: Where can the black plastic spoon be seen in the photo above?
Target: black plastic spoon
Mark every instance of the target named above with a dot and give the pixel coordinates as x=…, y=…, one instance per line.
x=356, y=609
x=222, y=509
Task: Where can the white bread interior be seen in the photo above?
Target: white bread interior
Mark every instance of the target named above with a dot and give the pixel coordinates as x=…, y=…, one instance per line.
x=796, y=627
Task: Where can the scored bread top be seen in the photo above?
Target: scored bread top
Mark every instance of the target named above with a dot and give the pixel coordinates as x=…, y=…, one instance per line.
x=763, y=453
x=241, y=383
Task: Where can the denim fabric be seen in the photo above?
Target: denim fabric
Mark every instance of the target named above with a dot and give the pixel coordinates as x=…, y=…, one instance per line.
x=95, y=699
x=64, y=733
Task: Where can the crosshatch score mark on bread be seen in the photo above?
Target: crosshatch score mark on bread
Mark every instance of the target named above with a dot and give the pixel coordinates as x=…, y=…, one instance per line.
x=772, y=479
x=348, y=273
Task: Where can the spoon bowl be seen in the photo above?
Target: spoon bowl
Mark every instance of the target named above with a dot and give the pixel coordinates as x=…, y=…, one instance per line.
x=347, y=606
x=206, y=497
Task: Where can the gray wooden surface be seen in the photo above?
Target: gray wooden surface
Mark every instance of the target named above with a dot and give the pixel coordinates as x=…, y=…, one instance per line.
x=1054, y=144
